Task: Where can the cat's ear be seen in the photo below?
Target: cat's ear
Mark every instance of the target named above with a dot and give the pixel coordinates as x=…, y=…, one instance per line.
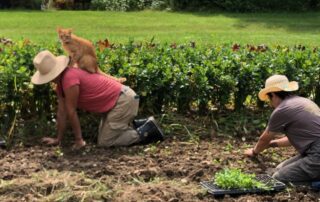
x=58, y=29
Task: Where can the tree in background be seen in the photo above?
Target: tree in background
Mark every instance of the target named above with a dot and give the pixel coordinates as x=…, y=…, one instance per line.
x=16, y=4
x=176, y=5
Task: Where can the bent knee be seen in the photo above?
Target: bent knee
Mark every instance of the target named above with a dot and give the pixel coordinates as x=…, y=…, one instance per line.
x=277, y=175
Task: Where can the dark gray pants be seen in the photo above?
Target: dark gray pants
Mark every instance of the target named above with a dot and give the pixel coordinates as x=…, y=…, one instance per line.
x=300, y=168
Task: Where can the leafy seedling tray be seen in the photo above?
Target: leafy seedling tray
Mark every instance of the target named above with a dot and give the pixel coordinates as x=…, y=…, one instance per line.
x=274, y=185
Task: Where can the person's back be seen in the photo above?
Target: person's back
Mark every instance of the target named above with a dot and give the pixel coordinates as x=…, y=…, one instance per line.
x=97, y=93
x=299, y=119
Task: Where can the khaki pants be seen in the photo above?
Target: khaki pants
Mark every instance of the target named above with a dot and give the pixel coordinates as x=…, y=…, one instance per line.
x=114, y=128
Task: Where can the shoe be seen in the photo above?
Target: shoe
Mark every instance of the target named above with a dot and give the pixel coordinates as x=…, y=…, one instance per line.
x=150, y=132
x=139, y=122
x=315, y=185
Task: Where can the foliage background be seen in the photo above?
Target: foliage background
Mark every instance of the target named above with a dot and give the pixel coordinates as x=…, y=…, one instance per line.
x=169, y=77
x=177, y=5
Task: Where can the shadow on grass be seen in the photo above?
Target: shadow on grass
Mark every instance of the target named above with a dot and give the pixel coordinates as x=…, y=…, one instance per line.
x=300, y=22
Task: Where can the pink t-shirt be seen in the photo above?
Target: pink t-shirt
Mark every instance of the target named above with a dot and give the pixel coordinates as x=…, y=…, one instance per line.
x=97, y=93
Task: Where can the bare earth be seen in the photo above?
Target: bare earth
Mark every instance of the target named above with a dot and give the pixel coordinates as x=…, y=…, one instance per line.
x=170, y=171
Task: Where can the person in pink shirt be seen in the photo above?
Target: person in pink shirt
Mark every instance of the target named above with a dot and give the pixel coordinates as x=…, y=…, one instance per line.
x=93, y=92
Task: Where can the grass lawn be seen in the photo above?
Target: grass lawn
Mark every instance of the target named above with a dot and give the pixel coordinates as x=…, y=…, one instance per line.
x=213, y=28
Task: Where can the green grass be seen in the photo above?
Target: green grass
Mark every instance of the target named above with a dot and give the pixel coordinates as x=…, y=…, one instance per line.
x=213, y=28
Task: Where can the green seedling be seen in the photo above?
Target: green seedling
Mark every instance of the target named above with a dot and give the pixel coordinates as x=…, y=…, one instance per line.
x=217, y=161
x=236, y=179
x=58, y=152
x=151, y=149
x=228, y=147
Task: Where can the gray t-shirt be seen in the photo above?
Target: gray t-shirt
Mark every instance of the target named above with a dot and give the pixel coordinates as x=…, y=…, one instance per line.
x=299, y=119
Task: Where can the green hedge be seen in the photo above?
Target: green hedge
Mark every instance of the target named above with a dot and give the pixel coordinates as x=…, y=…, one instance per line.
x=246, y=5
x=208, y=5
x=26, y=4
x=169, y=76
x=179, y=5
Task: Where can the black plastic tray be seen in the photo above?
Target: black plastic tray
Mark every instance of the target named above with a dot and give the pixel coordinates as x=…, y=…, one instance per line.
x=274, y=185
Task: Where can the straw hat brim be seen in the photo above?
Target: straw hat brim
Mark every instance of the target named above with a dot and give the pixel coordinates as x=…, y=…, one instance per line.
x=292, y=86
x=61, y=63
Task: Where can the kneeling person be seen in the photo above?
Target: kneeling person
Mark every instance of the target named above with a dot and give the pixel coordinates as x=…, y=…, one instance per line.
x=96, y=93
x=299, y=119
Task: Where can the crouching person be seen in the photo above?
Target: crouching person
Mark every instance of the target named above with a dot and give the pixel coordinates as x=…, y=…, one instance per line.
x=96, y=93
x=299, y=119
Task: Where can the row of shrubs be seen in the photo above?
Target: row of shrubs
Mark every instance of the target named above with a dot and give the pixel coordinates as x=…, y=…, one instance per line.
x=182, y=77
x=177, y=5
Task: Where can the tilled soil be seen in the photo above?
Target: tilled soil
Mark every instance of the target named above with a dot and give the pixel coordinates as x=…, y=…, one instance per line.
x=170, y=171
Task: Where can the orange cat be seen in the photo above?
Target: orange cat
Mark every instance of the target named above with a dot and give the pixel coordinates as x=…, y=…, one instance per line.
x=81, y=52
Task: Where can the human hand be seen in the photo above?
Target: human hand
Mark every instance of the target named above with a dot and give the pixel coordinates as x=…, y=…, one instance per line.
x=122, y=79
x=50, y=141
x=250, y=152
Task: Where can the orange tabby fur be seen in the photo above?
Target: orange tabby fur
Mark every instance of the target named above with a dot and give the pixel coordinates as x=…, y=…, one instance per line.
x=81, y=52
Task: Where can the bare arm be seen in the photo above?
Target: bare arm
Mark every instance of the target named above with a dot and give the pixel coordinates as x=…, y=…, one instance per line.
x=281, y=142
x=262, y=144
x=71, y=100
x=61, y=118
x=264, y=140
x=61, y=124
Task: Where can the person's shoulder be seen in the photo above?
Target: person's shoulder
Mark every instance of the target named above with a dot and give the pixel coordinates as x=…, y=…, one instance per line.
x=286, y=104
x=295, y=100
x=292, y=99
x=71, y=72
x=72, y=69
x=71, y=76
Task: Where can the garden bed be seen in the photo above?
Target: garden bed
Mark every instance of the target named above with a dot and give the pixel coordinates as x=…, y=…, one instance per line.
x=170, y=171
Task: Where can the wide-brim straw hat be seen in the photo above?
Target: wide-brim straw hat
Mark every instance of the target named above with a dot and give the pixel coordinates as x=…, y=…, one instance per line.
x=48, y=67
x=277, y=83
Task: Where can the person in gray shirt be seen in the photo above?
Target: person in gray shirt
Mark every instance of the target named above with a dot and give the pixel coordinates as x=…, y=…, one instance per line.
x=299, y=119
